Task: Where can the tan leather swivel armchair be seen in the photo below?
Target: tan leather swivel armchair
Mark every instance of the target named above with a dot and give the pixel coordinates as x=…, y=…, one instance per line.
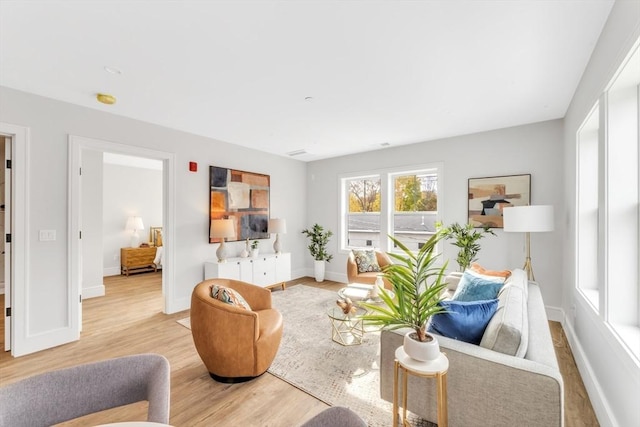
x=368, y=277
x=235, y=344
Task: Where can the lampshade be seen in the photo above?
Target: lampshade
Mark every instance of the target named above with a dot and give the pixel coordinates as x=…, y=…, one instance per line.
x=528, y=219
x=222, y=228
x=134, y=223
x=277, y=225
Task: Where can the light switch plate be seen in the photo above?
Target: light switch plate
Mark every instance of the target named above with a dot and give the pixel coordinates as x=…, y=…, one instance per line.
x=47, y=235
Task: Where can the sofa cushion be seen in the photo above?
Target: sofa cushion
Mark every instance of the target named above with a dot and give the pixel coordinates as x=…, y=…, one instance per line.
x=366, y=260
x=463, y=320
x=508, y=330
x=477, y=287
x=229, y=296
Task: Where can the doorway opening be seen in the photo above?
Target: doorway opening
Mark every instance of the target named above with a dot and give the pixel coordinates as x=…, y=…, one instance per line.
x=122, y=223
x=109, y=222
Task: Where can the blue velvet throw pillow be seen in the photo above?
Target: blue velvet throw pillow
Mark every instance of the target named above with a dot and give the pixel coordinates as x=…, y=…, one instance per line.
x=476, y=287
x=464, y=320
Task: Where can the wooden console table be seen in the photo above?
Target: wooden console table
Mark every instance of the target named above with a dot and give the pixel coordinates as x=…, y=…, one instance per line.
x=137, y=260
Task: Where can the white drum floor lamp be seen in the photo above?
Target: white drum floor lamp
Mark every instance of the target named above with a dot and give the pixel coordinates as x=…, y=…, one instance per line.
x=222, y=229
x=277, y=226
x=528, y=219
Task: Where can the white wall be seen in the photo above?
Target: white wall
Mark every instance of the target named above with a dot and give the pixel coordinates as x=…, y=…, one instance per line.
x=92, y=285
x=128, y=191
x=50, y=122
x=534, y=149
x=611, y=375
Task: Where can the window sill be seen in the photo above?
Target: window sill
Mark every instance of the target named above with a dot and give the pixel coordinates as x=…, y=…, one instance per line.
x=592, y=296
x=629, y=336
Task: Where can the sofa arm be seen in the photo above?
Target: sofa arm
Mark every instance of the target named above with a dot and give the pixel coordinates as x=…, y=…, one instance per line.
x=484, y=387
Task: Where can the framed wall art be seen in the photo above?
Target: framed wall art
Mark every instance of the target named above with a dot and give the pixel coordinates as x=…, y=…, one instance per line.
x=242, y=197
x=489, y=196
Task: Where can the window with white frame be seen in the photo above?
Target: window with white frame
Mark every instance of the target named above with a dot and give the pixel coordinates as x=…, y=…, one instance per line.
x=587, y=209
x=621, y=195
x=608, y=208
x=415, y=206
x=402, y=203
x=362, y=211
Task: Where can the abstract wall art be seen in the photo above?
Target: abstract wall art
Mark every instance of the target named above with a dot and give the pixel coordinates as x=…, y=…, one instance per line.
x=488, y=196
x=243, y=197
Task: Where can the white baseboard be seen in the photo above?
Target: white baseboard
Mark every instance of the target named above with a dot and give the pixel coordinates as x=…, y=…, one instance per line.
x=93, y=291
x=596, y=395
x=111, y=271
x=555, y=314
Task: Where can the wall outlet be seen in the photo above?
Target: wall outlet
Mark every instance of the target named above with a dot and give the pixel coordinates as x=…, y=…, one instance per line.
x=116, y=256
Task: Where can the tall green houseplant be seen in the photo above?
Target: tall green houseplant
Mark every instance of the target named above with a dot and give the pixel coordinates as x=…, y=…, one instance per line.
x=318, y=248
x=466, y=238
x=319, y=240
x=417, y=282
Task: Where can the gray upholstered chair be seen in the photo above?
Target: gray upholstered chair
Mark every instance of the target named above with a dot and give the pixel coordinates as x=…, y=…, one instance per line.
x=336, y=416
x=57, y=396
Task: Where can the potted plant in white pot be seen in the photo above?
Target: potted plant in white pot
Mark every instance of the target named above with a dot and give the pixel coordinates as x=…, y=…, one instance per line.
x=466, y=238
x=418, y=285
x=318, y=249
x=255, y=249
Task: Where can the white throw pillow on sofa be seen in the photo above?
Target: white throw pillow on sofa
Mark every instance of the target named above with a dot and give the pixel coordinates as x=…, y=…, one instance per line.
x=508, y=329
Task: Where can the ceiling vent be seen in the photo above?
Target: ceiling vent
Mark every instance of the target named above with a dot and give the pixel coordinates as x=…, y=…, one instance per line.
x=296, y=153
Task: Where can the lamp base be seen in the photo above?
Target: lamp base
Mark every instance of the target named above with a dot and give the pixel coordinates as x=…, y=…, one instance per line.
x=135, y=239
x=221, y=252
x=277, y=247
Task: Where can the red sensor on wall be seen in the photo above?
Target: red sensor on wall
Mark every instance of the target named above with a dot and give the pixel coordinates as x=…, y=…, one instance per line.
x=193, y=167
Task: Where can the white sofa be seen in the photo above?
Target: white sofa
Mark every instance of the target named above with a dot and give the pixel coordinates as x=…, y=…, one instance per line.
x=511, y=378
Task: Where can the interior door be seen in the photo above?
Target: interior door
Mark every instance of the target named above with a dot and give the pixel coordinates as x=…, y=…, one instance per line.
x=5, y=211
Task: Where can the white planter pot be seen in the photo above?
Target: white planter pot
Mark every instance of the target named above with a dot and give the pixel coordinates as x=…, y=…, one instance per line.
x=422, y=351
x=254, y=253
x=318, y=270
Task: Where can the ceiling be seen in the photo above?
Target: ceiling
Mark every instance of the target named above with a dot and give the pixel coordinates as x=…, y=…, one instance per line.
x=327, y=77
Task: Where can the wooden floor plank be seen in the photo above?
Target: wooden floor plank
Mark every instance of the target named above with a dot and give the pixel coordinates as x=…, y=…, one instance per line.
x=129, y=320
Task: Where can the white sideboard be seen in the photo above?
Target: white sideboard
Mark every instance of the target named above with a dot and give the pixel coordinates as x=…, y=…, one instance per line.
x=266, y=270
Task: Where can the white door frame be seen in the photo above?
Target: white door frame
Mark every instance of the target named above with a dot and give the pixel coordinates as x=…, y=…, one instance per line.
x=6, y=255
x=19, y=283
x=76, y=145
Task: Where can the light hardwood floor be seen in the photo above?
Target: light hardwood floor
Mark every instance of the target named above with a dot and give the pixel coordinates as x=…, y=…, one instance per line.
x=129, y=320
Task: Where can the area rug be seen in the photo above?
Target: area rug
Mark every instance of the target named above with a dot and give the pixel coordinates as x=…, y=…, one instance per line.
x=338, y=375
x=311, y=361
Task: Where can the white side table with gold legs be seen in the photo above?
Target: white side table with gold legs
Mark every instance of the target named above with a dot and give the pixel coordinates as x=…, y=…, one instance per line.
x=434, y=369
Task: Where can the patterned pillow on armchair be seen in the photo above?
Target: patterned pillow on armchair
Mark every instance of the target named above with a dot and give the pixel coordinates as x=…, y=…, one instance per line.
x=366, y=260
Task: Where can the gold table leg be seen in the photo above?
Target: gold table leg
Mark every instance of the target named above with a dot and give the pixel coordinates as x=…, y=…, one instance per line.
x=395, y=393
x=443, y=420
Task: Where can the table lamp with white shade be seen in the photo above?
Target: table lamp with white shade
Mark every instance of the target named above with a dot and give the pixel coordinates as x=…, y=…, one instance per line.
x=222, y=229
x=135, y=224
x=277, y=226
x=528, y=219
